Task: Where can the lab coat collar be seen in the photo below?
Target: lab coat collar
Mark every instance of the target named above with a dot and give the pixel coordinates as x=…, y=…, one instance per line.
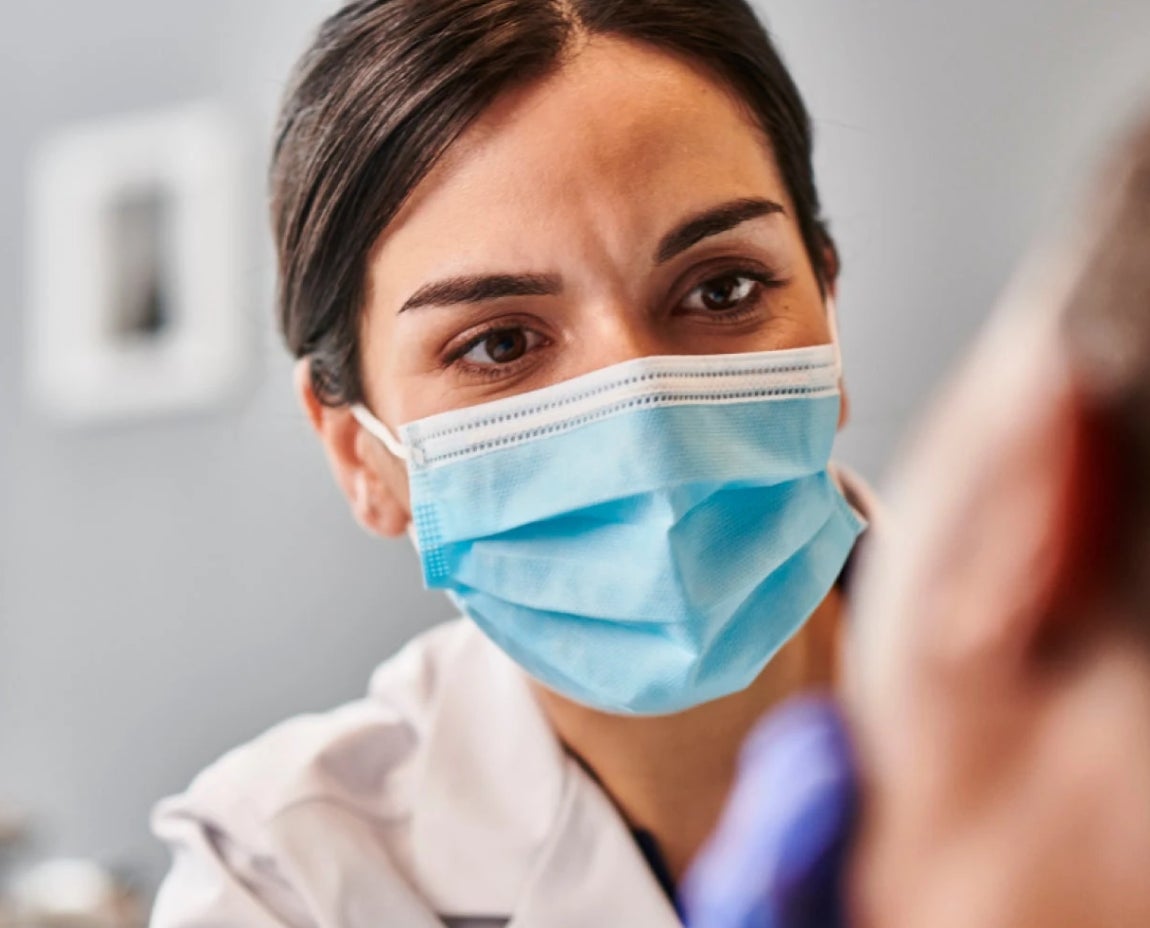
x=505, y=822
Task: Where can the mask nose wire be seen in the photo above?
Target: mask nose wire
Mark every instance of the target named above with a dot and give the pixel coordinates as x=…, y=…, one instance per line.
x=378, y=430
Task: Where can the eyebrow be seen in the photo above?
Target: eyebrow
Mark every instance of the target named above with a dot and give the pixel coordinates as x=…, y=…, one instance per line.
x=711, y=222
x=478, y=288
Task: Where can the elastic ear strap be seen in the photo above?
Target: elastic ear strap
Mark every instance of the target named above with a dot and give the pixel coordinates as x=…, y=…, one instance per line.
x=376, y=428
x=833, y=322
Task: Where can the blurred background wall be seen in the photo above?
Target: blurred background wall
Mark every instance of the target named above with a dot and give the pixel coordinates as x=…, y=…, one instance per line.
x=171, y=587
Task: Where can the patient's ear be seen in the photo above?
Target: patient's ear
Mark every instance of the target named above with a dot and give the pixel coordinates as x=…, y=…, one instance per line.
x=1000, y=512
x=1077, y=515
x=1031, y=546
x=373, y=482
x=1099, y=448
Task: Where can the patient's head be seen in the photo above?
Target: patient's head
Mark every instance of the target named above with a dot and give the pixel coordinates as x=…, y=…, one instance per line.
x=1002, y=665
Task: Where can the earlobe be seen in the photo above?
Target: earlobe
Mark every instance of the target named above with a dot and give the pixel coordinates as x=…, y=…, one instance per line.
x=377, y=513
x=368, y=477
x=380, y=506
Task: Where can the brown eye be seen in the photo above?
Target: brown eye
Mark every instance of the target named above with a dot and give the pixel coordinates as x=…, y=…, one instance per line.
x=502, y=346
x=723, y=293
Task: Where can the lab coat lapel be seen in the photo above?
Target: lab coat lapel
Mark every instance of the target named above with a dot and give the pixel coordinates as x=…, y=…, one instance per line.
x=507, y=823
x=490, y=785
x=592, y=872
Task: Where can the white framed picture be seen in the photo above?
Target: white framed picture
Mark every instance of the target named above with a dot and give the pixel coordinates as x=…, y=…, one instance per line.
x=136, y=237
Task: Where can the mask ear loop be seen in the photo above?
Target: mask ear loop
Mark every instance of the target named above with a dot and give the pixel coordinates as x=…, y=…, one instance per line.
x=380, y=431
x=833, y=323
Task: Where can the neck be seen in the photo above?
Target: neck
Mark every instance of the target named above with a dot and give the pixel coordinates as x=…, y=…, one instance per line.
x=670, y=775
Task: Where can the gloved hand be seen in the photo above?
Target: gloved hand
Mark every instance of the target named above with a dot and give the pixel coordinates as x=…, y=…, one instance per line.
x=777, y=857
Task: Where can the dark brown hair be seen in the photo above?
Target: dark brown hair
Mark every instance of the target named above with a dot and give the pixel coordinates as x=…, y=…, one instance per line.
x=388, y=85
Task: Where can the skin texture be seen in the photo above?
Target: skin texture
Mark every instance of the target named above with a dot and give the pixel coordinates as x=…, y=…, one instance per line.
x=580, y=177
x=1000, y=672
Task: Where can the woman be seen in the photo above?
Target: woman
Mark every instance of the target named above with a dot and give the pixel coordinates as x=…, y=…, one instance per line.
x=562, y=298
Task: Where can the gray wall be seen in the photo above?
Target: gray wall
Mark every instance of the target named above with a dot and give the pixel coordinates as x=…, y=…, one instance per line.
x=168, y=590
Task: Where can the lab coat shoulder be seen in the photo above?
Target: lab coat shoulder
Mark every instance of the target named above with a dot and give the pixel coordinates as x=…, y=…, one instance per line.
x=239, y=833
x=442, y=798
x=352, y=753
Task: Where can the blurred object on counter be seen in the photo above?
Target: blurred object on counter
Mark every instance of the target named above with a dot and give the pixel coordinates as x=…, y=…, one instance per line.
x=70, y=894
x=13, y=828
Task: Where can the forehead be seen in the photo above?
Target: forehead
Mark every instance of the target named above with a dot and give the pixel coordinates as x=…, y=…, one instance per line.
x=619, y=143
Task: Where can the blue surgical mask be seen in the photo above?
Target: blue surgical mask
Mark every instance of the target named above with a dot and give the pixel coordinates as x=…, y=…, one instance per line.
x=641, y=539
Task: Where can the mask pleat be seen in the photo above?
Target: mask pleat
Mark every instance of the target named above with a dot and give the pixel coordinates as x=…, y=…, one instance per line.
x=647, y=555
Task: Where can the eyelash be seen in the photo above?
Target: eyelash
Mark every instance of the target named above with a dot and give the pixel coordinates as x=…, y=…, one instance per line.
x=764, y=279
x=456, y=357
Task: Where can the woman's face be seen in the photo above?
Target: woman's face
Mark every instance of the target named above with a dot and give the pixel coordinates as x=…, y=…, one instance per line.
x=625, y=206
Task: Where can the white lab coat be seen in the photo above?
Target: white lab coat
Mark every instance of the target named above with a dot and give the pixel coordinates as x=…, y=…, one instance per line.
x=442, y=798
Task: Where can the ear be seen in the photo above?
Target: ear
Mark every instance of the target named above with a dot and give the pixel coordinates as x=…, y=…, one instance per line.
x=374, y=483
x=1050, y=510
x=1082, y=523
x=1008, y=523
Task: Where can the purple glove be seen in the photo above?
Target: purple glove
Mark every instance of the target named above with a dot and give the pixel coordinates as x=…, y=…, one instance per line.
x=777, y=857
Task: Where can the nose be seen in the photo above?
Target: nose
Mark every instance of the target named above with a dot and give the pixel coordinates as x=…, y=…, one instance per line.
x=617, y=334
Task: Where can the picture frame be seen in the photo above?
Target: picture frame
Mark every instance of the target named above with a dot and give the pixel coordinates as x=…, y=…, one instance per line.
x=136, y=238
